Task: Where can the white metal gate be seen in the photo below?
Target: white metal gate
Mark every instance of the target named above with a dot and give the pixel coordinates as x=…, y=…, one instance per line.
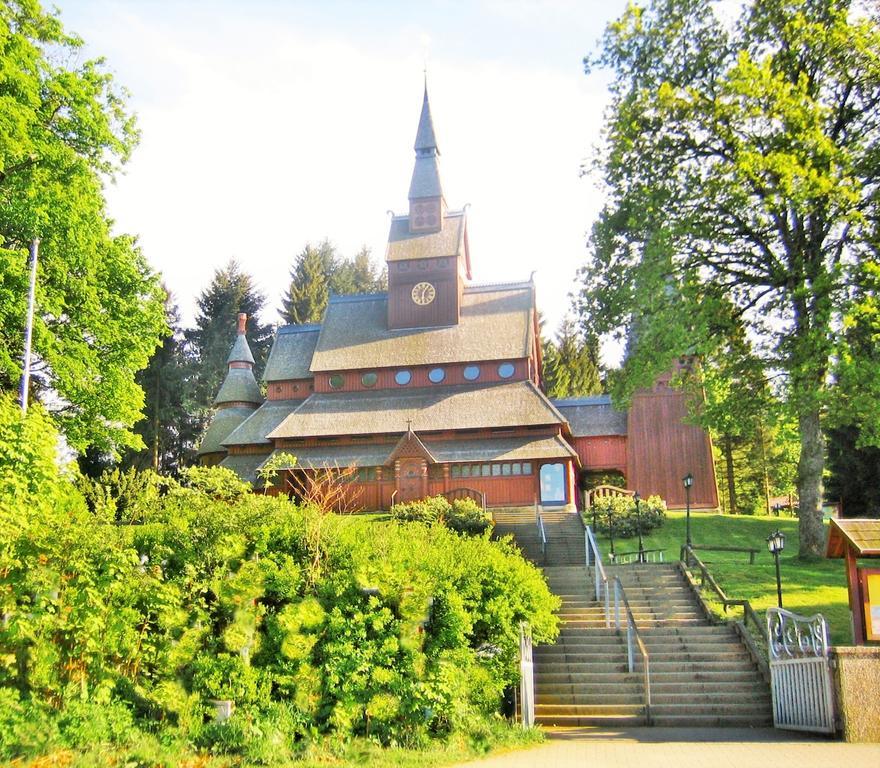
x=800, y=673
x=526, y=677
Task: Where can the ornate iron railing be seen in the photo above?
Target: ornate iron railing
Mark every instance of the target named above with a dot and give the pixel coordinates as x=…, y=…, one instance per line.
x=800, y=673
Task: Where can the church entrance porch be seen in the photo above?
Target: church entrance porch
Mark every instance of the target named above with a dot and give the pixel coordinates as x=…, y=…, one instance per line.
x=412, y=479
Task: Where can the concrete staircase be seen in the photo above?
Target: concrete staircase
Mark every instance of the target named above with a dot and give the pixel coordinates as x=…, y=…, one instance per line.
x=701, y=673
x=563, y=529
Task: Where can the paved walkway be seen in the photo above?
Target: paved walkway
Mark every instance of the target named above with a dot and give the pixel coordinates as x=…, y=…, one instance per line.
x=683, y=747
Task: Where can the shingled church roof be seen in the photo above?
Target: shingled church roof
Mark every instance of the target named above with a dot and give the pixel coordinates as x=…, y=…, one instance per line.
x=496, y=324
x=429, y=409
x=448, y=241
x=592, y=416
x=291, y=355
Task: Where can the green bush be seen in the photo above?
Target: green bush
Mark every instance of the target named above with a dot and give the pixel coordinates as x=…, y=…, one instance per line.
x=311, y=624
x=462, y=515
x=619, y=513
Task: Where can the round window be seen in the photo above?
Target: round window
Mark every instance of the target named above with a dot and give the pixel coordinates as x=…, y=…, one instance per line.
x=336, y=381
x=472, y=372
x=437, y=375
x=506, y=370
x=403, y=378
x=369, y=379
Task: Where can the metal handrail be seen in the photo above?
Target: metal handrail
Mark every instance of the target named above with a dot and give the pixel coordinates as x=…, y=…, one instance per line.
x=600, y=579
x=726, y=602
x=526, y=677
x=632, y=634
x=543, y=535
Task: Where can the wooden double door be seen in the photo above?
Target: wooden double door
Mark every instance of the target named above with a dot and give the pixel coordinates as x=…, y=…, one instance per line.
x=412, y=479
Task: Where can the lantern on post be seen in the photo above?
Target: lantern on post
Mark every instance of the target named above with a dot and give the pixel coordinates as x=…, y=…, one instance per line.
x=776, y=543
x=688, y=481
x=638, y=500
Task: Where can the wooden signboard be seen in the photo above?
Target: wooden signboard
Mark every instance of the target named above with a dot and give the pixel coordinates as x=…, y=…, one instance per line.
x=869, y=580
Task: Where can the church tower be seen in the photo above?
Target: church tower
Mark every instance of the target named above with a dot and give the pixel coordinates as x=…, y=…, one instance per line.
x=427, y=253
x=238, y=398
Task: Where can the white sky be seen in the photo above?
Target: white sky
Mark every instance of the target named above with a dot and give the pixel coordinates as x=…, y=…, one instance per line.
x=267, y=125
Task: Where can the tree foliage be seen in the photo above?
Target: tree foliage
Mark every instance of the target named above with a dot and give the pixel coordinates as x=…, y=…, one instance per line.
x=168, y=429
x=319, y=272
x=742, y=168
x=571, y=363
x=230, y=292
x=64, y=129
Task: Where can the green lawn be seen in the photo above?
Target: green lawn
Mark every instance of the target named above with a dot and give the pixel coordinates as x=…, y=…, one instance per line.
x=808, y=586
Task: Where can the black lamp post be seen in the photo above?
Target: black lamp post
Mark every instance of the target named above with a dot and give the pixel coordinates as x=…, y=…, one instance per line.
x=776, y=543
x=638, y=499
x=688, y=481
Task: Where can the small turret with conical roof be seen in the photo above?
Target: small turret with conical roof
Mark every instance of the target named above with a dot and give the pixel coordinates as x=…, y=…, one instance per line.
x=238, y=398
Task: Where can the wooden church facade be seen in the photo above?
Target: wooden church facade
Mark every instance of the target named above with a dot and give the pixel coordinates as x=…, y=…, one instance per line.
x=436, y=386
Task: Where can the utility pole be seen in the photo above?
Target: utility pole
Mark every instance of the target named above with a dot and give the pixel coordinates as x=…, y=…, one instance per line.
x=29, y=327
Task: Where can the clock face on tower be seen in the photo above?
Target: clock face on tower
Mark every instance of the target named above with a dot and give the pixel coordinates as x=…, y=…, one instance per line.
x=423, y=294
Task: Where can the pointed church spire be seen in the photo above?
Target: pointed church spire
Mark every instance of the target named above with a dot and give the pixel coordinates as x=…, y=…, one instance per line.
x=426, y=203
x=426, y=141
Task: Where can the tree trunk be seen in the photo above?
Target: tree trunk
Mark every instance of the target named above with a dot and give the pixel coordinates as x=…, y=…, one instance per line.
x=809, y=483
x=765, y=476
x=731, y=482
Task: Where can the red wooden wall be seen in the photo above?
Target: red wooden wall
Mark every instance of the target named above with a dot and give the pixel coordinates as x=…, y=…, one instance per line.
x=602, y=452
x=662, y=449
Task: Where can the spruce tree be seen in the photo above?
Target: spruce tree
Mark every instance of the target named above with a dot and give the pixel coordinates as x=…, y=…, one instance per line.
x=307, y=297
x=319, y=272
x=231, y=291
x=571, y=364
x=167, y=429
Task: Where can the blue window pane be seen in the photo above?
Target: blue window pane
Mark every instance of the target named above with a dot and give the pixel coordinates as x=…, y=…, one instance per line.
x=437, y=375
x=506, y=370
x=403, y=378
x=472, y=372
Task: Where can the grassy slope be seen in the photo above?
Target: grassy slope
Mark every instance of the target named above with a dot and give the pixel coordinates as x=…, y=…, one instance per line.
x=808, y=587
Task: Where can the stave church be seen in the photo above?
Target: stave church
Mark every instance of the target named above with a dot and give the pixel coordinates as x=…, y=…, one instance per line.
x=436, y=387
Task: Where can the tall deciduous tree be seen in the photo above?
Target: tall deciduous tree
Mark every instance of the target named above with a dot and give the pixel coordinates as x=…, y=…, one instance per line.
x=231, y=291
x=63, y=129
x=571, y=363
x=742, y=166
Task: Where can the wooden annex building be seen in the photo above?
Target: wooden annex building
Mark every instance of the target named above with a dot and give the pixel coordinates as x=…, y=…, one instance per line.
x=436, y=385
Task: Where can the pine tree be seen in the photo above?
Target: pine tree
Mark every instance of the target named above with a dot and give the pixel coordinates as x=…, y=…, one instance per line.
x=319, y=272
x=571, y=364
x=307, y=297
x=167, y=429
x=231, y=291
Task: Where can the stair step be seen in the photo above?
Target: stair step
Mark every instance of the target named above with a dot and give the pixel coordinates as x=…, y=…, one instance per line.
x=600, y=721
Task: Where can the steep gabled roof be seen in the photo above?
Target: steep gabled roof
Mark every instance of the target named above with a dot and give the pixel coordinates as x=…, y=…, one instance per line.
x=386, y=411
x=495, y=324
x=592, y=416
x=410, y=446
x=291, y=355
